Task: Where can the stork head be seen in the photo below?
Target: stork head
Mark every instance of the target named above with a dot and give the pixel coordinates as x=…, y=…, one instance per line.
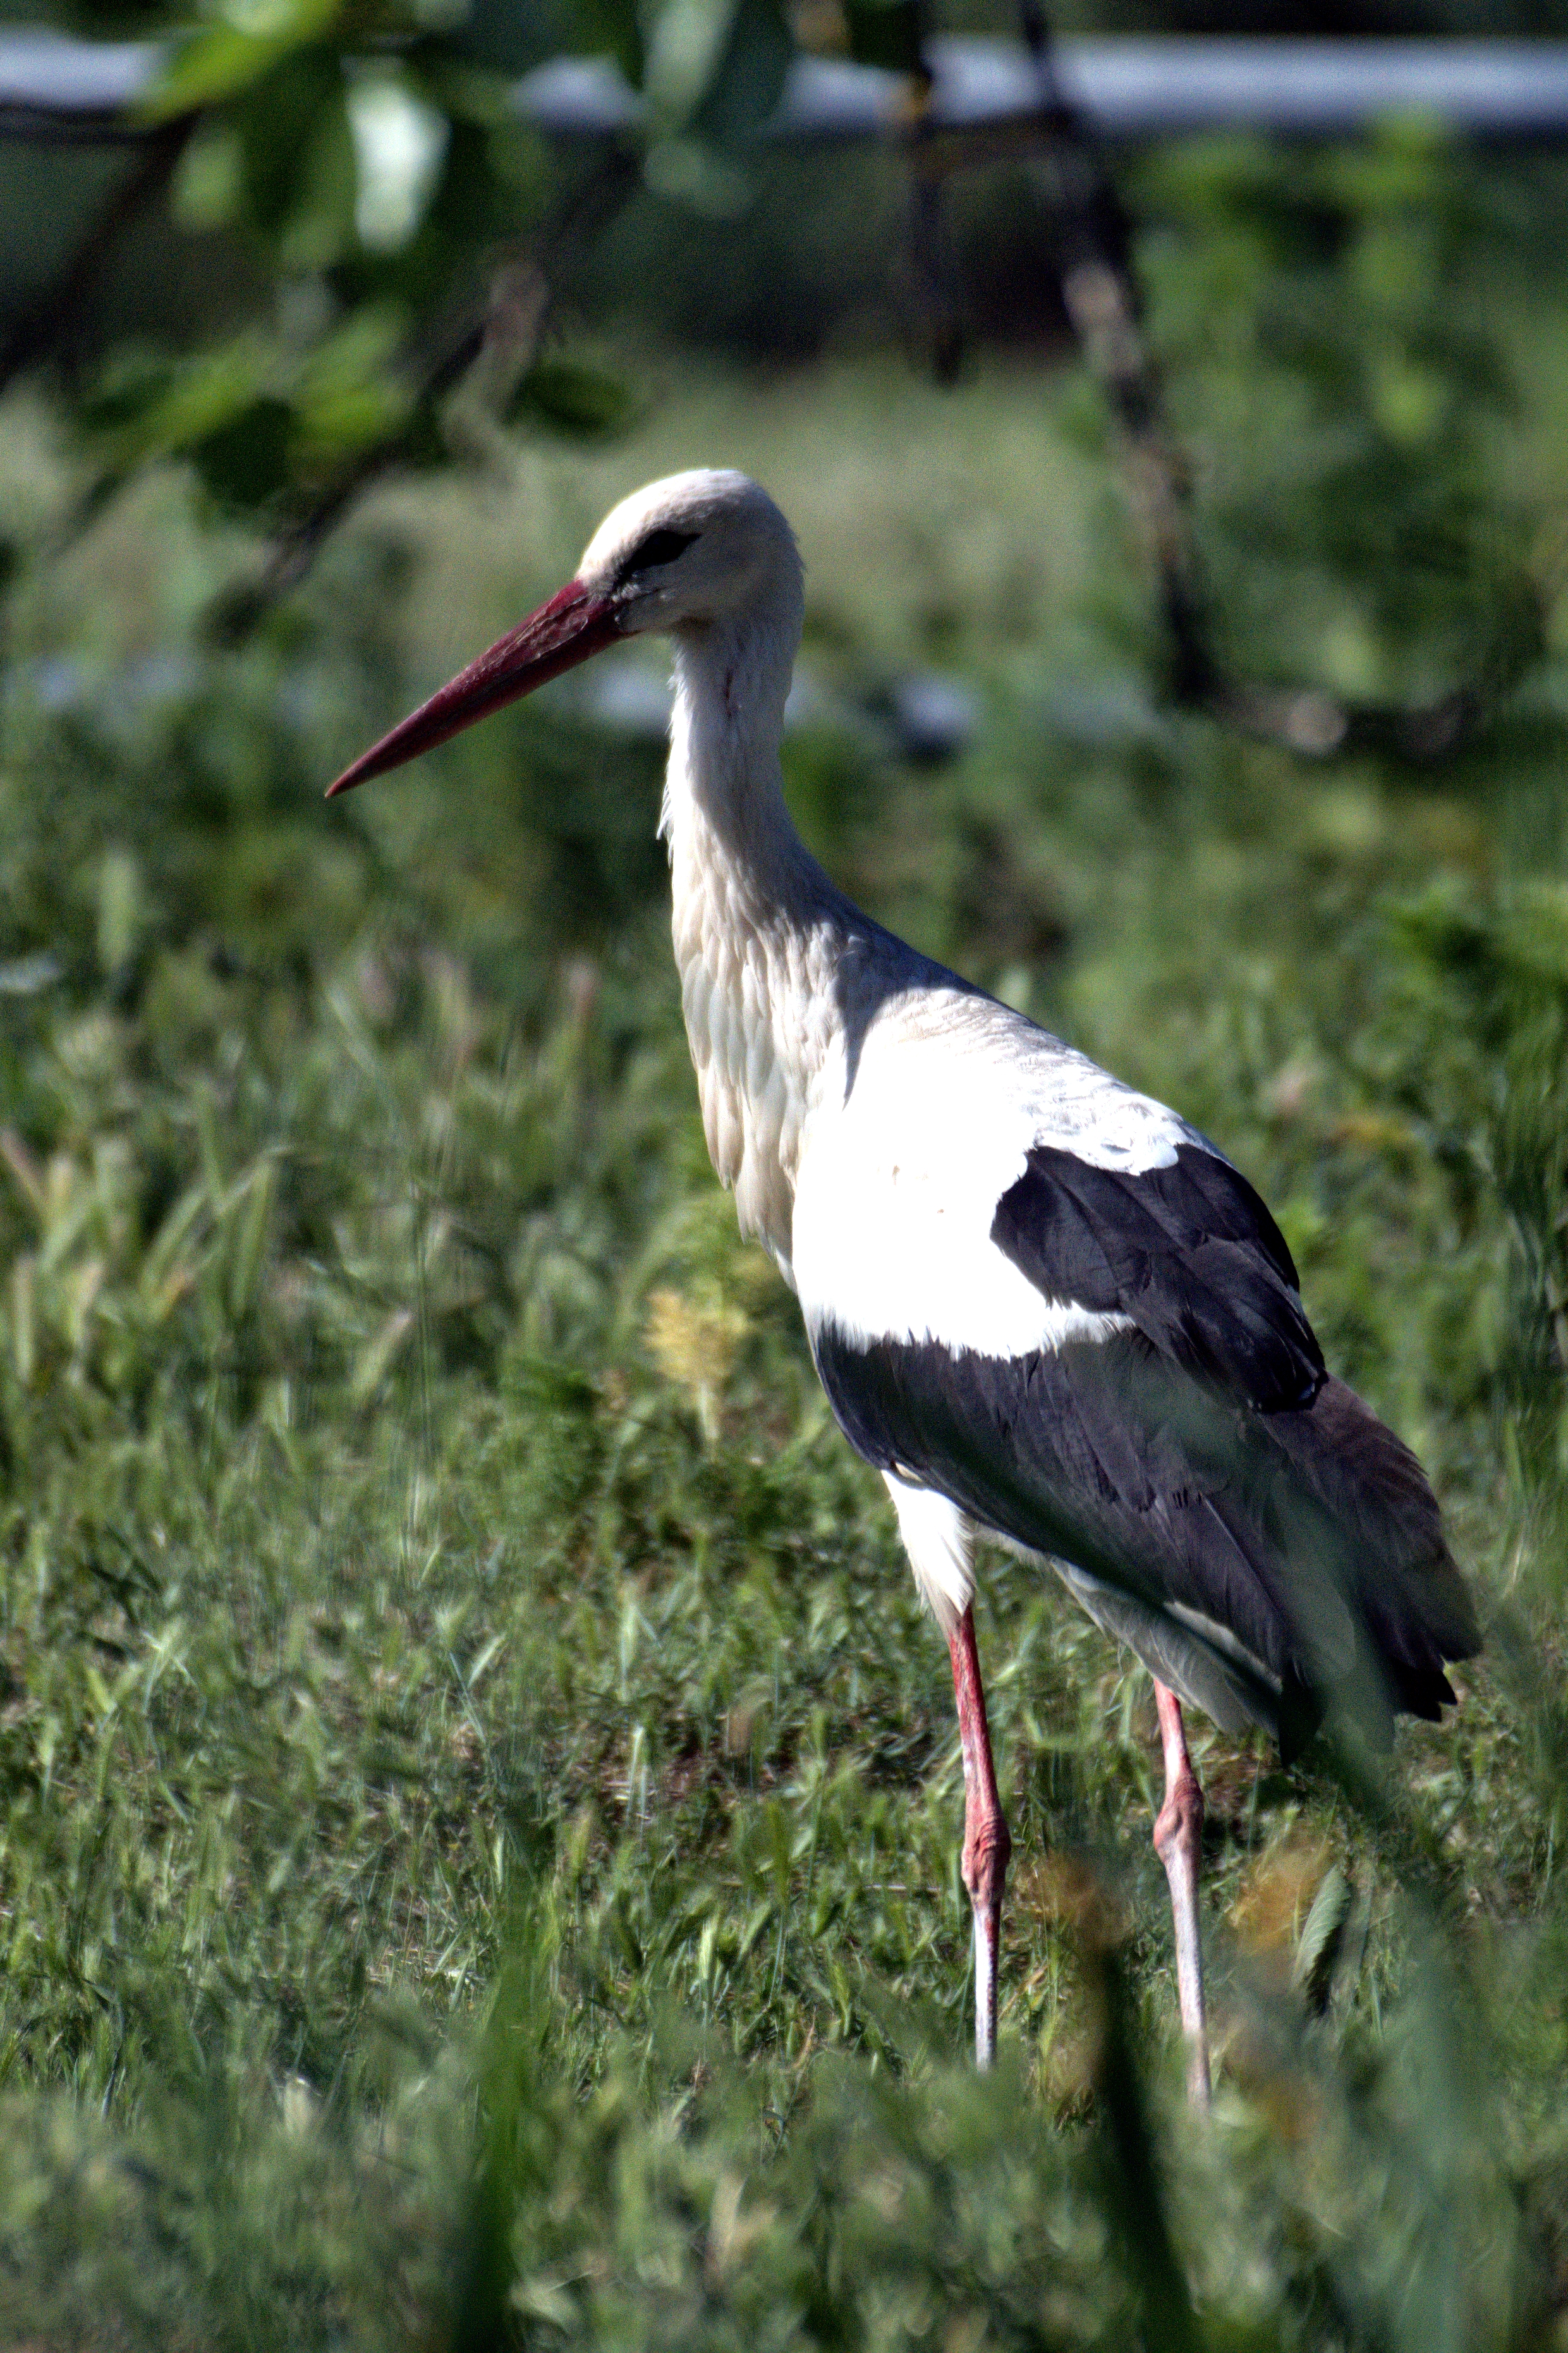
x=679, y=555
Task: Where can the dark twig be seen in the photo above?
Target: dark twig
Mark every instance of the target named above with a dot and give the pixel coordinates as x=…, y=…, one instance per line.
x=36, y=126
x=930, y=256
x=47, y=325
x=930, y=244
x=1100, y=293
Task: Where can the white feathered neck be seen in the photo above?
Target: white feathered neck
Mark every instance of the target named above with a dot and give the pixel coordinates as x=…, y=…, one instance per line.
x=759, y=930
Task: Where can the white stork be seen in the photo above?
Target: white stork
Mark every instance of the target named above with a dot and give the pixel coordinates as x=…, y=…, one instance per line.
x=1046, y=1309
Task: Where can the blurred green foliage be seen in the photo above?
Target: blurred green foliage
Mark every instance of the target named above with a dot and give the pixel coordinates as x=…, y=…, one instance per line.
x=1327, y=320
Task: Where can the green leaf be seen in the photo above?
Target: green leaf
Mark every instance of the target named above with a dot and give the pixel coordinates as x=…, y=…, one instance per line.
x=1320, y=1935
x=127, y=393
x=246, y=462
x=294, y=132
x=686, y=58
x=573, y=399
x=221, y=59
x=747, y=76
x=320, y=227
x=162, y=409
x=885, y=33
x=349, y=395
x=610, y=27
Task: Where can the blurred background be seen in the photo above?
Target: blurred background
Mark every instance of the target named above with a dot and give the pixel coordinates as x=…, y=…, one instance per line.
x=479, y=1801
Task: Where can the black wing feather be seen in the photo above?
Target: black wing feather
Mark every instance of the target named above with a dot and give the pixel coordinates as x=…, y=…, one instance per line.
x=1189, y=1252
x=1081, y=1451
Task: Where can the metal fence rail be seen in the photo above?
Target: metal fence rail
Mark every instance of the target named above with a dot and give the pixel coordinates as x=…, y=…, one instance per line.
x=53, y=87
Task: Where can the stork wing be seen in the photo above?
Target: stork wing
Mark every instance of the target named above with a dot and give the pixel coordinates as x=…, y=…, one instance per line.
x=1186, y=1251
x=1051, y=1301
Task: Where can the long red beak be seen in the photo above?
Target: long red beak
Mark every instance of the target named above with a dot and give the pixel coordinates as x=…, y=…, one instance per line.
x=577, y=622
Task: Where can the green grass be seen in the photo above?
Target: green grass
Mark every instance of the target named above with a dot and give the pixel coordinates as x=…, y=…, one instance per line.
x=478, y=1801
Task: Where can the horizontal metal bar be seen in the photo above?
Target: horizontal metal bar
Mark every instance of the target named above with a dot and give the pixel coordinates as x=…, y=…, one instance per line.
x=54, y=87
x=1132, y=89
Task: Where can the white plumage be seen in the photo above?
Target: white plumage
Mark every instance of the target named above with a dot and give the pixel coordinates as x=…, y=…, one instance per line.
x=940, y=1543
x=893, y=1209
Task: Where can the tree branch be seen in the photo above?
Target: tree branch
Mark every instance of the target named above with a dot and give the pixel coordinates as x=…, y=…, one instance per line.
x=47, y=325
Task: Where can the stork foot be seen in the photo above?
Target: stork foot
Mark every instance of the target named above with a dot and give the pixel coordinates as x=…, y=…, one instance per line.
x=1178, y=1842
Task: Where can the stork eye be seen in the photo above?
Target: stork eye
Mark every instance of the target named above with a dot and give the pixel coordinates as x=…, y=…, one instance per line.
x=658, y=547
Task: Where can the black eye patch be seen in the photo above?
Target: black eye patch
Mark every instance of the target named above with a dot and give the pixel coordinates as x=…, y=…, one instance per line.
x=658, y=547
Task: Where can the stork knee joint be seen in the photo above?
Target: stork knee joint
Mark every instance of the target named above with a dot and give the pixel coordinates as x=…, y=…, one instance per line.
x=1179, y=1825
x=985, y=1857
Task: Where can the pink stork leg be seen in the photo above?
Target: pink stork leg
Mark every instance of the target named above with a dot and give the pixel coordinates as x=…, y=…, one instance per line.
x=1178, y=1842
x=986, y=1845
